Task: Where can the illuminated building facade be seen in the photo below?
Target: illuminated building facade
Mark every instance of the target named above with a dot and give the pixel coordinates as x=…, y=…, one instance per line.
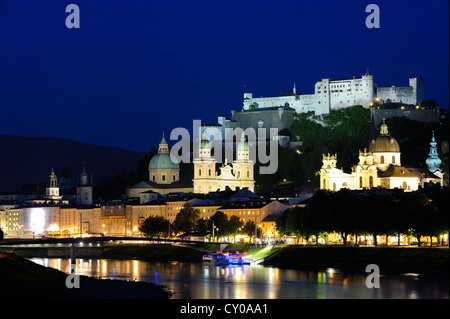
x=380, y=166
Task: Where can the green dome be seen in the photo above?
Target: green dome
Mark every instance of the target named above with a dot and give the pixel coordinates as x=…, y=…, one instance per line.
x=162, y=161
x=204, y=144
x=242, y=146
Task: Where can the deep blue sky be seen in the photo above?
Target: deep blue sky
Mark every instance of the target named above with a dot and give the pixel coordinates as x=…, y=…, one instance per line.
x=136, y=68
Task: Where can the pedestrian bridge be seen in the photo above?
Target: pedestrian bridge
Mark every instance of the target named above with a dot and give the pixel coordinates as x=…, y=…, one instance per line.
x=81, y=247
x=93, y=239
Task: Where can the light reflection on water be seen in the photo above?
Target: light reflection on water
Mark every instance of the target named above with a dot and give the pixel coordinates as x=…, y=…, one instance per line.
x=202, y=281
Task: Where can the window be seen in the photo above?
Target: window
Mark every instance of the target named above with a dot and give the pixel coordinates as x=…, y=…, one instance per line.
x=360, y=182
x=174, y=177
x=163, y=177
x=209, y=172
x=370, y=181
x=382, y=159
x=199, y=172
x=393, y=159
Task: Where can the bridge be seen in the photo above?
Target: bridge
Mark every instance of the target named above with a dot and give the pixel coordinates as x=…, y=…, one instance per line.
x=78, y=240
x=57, y=247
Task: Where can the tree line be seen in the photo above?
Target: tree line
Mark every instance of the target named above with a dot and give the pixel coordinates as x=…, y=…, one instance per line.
x=188, y=221
x=346, y=213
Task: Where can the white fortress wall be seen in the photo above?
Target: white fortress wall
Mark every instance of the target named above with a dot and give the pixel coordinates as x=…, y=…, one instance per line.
x=331, y=94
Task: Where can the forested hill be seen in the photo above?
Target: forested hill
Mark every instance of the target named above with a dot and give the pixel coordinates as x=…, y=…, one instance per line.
x=345, y=132
x=30, y=159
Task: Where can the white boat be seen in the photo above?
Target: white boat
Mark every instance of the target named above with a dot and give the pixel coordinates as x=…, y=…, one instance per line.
x=226, y=259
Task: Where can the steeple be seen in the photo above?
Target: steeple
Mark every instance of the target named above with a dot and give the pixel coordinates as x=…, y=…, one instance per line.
x=84, y=175
x=52, y=190
x=433, y=161
x=53, y=180
x=204, y=144
x=84, y=189
x=242, y=148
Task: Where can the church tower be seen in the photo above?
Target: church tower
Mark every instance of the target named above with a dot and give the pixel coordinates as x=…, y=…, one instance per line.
x=204, y=168
x=64, y=179
x=84, y=189
x=52, y=190
x=433, y=161
x=243, y=167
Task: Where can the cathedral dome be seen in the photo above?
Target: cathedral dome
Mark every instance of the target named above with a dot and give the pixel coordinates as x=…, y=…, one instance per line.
x=162, y=159
x=384, y=143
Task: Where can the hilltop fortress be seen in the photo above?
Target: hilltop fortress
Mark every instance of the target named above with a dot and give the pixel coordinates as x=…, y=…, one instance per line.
x=331, y=94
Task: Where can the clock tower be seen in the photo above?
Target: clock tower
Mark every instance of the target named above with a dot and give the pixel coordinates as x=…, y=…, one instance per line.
x=84, y=189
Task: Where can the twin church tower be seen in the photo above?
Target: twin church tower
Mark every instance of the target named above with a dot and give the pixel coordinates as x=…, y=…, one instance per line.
x=164, y=174
x=84, y=188
x=237, y=175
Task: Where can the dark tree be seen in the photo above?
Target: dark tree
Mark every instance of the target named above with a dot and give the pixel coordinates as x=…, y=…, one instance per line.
x=155, y=226
x=235, y=225
x=186, y=219
x=202, y=228
x=344, y=212
x=249, y=228
x=376, y=215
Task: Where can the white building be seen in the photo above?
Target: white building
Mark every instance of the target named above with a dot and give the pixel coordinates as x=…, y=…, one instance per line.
x=380, y=166
x=10, y=220
x=237, y=175
x=331, y=94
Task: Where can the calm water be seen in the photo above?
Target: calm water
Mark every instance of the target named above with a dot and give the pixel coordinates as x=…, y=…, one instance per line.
x=200, y=281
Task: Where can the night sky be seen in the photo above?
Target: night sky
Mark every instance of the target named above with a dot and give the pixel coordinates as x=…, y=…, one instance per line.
x=136, y=68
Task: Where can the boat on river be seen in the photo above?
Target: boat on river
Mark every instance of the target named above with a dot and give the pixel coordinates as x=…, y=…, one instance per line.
x=226, y=259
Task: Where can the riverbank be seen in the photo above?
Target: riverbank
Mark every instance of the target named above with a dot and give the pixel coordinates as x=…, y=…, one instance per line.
x=21, y=278
x=389, y=259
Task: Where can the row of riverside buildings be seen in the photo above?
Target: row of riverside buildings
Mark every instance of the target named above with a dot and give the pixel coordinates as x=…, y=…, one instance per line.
x=58, y=215
x=45, y=217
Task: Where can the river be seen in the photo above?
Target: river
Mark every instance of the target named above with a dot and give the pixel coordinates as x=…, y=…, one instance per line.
x=200, y=281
